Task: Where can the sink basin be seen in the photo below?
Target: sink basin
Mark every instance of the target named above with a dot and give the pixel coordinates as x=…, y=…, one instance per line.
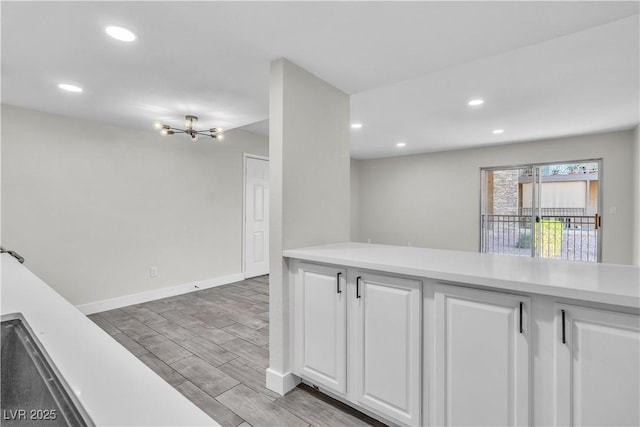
x=32, y=392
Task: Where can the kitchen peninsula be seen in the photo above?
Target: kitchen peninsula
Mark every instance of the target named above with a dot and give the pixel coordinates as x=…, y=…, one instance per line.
x=422, y=336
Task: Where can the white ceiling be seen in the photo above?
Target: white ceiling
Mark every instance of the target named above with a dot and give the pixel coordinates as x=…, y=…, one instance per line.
x=545, y=69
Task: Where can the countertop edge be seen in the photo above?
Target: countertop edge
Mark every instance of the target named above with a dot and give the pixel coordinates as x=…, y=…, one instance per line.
x=359, y=259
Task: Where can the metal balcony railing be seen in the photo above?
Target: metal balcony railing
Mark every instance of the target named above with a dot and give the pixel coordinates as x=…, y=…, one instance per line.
x=554, y=212
x=560, y=236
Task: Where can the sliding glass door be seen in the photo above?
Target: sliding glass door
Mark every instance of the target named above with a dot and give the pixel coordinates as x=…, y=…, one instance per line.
x=542, y=210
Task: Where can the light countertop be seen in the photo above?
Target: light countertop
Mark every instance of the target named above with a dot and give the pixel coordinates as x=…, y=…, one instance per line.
x=113, y=386
x=596, y=282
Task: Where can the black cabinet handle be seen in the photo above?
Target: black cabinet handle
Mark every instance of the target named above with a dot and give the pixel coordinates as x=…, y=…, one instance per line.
x=358, y=286
x=564, y=338
x=338, y=282
x=521, y=328
x=13, y=254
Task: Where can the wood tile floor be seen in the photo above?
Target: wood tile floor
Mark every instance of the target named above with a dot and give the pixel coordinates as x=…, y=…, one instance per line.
x=213, y=347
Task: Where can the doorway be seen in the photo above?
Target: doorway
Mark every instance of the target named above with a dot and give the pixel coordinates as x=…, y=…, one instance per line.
x=543, y=210
x=256, y=216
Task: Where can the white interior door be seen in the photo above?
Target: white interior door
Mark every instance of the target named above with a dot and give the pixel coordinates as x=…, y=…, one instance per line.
x=256, y=216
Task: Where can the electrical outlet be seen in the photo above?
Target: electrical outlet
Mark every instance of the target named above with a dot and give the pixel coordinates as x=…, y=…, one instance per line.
x=153, y=272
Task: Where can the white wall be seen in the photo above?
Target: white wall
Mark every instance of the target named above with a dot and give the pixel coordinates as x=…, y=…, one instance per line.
x=92, y=207
x=432, y=200
x=355, y=199
x=309, y=186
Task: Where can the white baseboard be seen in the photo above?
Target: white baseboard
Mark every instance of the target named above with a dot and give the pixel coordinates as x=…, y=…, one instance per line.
x=126, y=300
x=281, y=383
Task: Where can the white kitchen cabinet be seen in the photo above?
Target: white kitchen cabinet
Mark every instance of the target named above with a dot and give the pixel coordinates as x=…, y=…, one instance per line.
x=597, y=367
x=477, y=367
x=320, y=328
x=385, y=341
x=481, y=357
x=380, y=317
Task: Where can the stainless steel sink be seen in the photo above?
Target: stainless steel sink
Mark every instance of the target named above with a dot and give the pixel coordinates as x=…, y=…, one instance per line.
x=32, y=392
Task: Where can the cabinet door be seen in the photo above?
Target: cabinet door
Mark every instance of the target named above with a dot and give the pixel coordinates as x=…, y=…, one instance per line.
x=385, y=345
x=482, y=357
x=597, y=367
x=320, y=326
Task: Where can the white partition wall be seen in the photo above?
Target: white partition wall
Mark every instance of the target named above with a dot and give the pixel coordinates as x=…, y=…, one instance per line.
x=310, y=187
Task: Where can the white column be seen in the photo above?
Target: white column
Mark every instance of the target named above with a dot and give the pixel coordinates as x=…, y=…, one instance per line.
x=309, y=188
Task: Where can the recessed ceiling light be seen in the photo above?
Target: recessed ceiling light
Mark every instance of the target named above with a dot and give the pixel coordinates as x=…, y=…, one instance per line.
x=401, y=144
x=120, y=33
x=356, y=125
x=69, y=87
x=498, y=131
x=475, y=102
